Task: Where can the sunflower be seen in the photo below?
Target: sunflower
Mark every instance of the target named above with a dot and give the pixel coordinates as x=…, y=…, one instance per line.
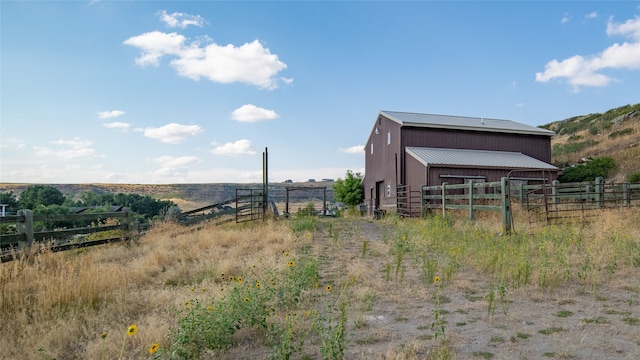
x=154, y=348
x=258, y=284
x=103, y=335
x=132, y=330
x=292, y=263
x=436, y=279
x=246, y=299
x=328, y=288
x=239, y=279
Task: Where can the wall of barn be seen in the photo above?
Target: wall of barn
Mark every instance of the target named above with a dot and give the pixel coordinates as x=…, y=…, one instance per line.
x=536, y=146
x=382, y=164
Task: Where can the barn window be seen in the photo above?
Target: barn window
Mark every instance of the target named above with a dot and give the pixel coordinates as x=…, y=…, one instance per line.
x=388, y=190
x=371, y=148
x=389, y=138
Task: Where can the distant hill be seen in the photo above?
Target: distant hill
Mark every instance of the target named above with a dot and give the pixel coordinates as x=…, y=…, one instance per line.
x=190, y=196
x=615, y=134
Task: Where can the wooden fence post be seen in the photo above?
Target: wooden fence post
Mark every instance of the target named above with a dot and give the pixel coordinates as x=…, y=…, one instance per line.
x=626, y=188
x=599, y=191
x=554, y=191
x=506, y=205
x=444, y=199
x=472, y=213
x=25, y=228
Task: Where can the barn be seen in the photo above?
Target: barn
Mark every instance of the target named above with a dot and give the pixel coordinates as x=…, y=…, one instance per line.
x=411, y=150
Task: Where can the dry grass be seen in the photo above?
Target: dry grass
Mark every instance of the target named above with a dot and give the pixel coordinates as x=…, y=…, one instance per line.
x=624, y=150
x=62, y=302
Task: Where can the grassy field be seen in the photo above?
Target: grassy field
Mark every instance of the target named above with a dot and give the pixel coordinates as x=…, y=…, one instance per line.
x=350, y=287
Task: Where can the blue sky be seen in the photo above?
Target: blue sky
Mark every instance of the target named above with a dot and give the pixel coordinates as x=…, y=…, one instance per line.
x=156, y=92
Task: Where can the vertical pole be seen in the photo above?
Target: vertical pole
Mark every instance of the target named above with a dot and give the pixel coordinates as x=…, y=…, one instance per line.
x=554, y=191
x=599, y=191
x=265, y=180
x=324, y=202
x=25, y=228
x=286, y=204
x=506, y=206
x=444, y=199
x=626, y=188
x=472, y=213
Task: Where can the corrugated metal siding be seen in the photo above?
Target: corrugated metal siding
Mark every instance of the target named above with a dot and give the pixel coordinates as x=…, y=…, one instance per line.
x=538, y=147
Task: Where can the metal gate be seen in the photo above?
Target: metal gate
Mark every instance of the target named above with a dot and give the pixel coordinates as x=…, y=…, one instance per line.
x=250, y=205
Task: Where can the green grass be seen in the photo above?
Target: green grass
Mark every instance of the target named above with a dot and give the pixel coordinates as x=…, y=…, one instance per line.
x=551, y=330
x=564, y=313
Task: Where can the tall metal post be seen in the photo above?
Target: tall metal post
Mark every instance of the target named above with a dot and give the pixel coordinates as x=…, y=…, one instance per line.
x=265, y=180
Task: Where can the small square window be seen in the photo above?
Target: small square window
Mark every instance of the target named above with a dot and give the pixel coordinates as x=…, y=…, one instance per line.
x=388, y=190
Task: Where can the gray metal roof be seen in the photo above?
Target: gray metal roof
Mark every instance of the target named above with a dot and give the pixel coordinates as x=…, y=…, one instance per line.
x=463, y=123
x=479, y=158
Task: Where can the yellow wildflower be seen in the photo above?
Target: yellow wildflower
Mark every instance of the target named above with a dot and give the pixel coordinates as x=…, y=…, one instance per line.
x=132, y=330
x=154, y=348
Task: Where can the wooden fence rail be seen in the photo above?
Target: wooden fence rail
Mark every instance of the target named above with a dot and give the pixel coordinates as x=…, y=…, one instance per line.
x=473, y=196
x=61, y=239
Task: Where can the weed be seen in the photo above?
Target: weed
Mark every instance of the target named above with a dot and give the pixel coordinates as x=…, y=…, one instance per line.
x=551, y=330
x=564, y=313
x=595, y=320
x=483, y=354
x=438, y=324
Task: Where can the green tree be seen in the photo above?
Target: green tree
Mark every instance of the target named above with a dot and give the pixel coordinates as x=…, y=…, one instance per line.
x=36, y=195
x=350, y=190
x=596, y=167
x=9, y=198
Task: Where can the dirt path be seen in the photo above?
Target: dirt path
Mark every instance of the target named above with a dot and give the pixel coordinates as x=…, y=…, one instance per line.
x=391, y=315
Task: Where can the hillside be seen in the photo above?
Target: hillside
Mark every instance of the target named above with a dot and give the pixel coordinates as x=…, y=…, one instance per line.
x=188, y=196
x=615, y=133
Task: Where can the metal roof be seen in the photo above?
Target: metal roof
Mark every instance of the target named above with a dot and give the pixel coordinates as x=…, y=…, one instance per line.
x=479, y=158
x=463, y=123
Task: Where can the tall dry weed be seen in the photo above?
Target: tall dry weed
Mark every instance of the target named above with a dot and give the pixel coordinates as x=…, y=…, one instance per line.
x=56, y=305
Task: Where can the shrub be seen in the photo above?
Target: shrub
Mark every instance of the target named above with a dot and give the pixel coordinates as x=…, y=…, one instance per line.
x=633, y=177
x=622, y=132
x=597, y=167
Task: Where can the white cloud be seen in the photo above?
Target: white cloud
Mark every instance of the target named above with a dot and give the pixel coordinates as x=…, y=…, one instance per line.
x=76, y=148
x=252, y=113
x=587, y=71
x=240, y=147
x=250, y=63
x=630, y=28
x=12, y=143
x=155, y=45
x=117, y=125
x=591, y=15
x=179, y=19
x=565, y=19
x=358, y=149
x=174, y=166
x=110, y=114
x=173, y=133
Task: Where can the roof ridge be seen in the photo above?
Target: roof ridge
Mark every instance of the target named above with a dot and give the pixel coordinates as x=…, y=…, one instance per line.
x=453, y=116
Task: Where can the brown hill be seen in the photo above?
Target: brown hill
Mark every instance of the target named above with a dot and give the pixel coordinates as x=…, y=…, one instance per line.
x=615, y=134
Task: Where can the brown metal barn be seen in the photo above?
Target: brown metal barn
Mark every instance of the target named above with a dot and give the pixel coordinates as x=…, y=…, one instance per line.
x=412, y=150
